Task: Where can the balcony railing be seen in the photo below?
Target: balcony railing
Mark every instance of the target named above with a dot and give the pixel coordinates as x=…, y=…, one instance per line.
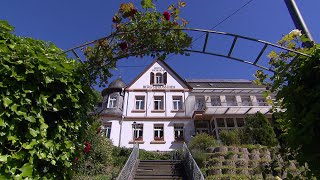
x=246, y=103
x=232, y=103
x=262, y=103
x=200, y=106
x=230, y=107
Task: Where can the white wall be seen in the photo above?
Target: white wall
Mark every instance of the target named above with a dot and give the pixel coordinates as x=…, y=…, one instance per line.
x=130, y=111
x=148, y=134
x=115, y=130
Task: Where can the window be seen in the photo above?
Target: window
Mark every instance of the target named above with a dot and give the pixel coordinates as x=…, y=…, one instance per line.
x=112, y=102
x=158, y=78
x=220, y=122
x=158, y=132
x=107, y=127
x=230, y=122
x=178, y=132
x=262, y=101
x=158, y=103
x=177, y=103
x=215, y=101
x=246, y=101
x=240, y=122
x=231, y=101
x=202, y=127
x=138, y=132
x=200, y=103
x=139, y=103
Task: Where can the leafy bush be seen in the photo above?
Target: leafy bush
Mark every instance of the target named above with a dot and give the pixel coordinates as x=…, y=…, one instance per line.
x=149, y=155
x=44, y=100
x=199, y=156
x=233, y=137
x=120, y=155
x=259, y=130
x=202, y=142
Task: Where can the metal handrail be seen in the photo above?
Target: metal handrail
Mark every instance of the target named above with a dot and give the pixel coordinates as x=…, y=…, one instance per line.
x=127, y=172
x=191, y=168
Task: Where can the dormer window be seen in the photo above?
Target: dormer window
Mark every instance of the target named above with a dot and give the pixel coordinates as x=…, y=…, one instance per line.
x=112, y=102
x=158, y=78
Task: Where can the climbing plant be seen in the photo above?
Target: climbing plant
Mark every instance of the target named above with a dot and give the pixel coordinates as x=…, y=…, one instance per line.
x=138, y=33
x=296, y=83
x=44, y=100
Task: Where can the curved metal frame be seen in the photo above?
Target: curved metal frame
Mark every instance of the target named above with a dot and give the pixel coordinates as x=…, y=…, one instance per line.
x=204, y=49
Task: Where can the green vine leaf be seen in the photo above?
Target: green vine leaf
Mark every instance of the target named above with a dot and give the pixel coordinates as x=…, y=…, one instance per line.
x=26, y=170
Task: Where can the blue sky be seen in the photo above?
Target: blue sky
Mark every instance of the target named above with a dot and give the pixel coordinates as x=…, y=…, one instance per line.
x=70, y=23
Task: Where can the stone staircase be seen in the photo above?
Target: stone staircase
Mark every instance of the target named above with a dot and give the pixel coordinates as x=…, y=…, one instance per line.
x=159, y=169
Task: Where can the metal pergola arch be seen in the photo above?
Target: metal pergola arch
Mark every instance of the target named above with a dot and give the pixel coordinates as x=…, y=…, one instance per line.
x=204, y=50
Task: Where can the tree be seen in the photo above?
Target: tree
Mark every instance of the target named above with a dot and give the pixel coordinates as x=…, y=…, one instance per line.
x=258, y=130
x=297, y=85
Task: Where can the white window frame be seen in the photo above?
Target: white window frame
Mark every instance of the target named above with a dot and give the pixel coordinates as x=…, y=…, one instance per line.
x=139, y=103
x=159, y=102
x=107, y=128
x=158, y=78
x=178, y=128
x=177, y=103
x=112, y=101
x=157, y=129
x=138, y=132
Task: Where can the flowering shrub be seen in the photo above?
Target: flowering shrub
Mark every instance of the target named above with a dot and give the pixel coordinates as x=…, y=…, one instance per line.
x=138, y=33
x=166, y=15
x=87, y=147
x=95, y=154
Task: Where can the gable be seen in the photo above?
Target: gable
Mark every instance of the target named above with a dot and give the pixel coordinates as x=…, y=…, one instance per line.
x=158, y=76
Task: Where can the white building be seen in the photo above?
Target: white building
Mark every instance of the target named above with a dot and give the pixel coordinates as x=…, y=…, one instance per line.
x=160, y=110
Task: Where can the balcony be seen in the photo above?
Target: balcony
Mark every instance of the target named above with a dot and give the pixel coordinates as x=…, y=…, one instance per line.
x=232, y=107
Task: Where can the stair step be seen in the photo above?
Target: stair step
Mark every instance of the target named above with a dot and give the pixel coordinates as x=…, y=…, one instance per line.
x=159, y=169
x=158, y=177
x=160, y=161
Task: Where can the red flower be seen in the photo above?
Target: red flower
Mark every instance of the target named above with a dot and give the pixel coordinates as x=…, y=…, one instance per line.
x=123, y=46
x=133, y=12
x=175, y=23
x=87, y=147
x=166, y=15
x=76, y=159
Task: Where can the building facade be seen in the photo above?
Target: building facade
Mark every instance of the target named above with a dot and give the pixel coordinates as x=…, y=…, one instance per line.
x=160, y=110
